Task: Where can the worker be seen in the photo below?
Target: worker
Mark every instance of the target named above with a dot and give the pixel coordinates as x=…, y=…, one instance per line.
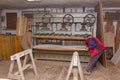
x=26, y=42
x=96, y=49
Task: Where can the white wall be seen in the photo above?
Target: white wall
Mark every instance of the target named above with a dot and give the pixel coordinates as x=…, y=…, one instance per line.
x=19, y=14
x=3, y=24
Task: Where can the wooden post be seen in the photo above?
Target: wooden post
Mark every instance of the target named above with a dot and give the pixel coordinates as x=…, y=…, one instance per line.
x=76, y=67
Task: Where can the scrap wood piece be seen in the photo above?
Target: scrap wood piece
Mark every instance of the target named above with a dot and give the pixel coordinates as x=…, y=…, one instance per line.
x=116, y=58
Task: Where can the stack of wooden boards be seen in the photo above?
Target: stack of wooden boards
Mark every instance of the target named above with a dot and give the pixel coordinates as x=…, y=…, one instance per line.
x=9, y=45
x=109, y=35
x=60, y=52
x=23, y=24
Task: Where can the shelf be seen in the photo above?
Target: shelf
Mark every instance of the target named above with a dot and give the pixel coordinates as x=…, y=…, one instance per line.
x=60, y=47
x=59, y=38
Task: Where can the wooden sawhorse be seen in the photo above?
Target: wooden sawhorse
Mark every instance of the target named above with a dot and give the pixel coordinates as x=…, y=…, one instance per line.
x=75, y=66
x=19, y=74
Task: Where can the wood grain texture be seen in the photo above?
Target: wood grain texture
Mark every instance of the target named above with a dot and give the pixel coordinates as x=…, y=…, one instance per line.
x=109, y=26
x=9, y=45
x=60, y=48
x=109, y=40
x=21, y=26
x=117, y=37
x=100, y=29
x=60, y=38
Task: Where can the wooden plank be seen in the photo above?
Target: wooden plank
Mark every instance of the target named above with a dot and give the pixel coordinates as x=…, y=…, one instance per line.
x=60, y=38
x=2, y=46
x=9, y=46
x=109, y=26
x=60, y=48
x=109, y=40
x=118, y=65
x=15, y=44
x=18, y=27
x=21, y=26
x=117, y=37
x=116, y=58
x=4, y=49
x=1, y=54
x=74, y=43
x=14, y=50
x=19, y=43
x=100, y=30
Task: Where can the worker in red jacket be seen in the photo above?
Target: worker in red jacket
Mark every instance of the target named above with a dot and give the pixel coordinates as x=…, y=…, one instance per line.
x=96, y=49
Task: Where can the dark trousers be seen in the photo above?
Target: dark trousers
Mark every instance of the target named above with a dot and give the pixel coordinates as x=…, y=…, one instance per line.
x=93, y=61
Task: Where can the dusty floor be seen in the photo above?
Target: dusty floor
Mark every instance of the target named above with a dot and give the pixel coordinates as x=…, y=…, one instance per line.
x=51, y=70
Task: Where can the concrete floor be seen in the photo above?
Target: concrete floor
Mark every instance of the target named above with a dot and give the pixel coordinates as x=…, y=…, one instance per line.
x=56, y=70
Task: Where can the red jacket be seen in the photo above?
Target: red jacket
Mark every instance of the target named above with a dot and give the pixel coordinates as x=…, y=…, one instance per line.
x=94, y=51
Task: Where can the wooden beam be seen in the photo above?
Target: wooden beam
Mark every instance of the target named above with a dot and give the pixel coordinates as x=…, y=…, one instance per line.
x=100, y=30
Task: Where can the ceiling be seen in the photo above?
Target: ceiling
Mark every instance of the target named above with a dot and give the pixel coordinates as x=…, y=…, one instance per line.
x=23, y=4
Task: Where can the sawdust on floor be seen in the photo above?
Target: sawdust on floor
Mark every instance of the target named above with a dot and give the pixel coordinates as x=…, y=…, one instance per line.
x=56, y=70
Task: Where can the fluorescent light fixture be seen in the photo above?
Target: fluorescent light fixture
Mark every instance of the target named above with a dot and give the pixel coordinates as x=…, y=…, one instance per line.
x=4, y=79
x=33, y=0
